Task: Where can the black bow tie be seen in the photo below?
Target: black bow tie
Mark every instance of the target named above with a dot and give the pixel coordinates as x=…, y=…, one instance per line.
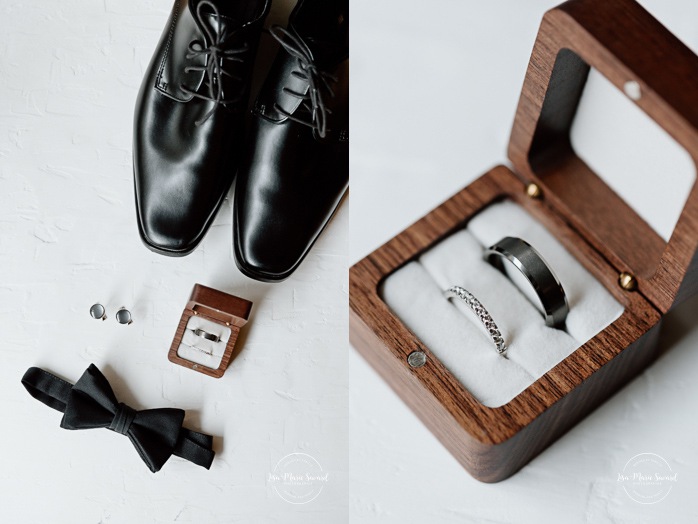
x=156, y=434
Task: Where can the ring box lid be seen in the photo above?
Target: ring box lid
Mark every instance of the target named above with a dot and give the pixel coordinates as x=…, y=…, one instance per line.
x=228, y=308
x=637, y=49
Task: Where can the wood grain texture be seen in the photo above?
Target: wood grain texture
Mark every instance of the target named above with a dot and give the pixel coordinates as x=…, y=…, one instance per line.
x=493, y=443
x=624, y=43
x=224, y=302
x=216, y=306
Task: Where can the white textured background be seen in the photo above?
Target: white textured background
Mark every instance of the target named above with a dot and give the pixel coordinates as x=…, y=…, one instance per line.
x=434, y=90
x=69, y=74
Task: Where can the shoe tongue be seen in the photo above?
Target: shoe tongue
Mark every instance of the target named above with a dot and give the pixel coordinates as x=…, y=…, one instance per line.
x=328, y=42
x=337, y=33
x=234, y=14
x=325, y=53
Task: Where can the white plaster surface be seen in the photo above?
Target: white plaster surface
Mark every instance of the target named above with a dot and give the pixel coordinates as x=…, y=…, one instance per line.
x=434, y=90
x=69, y=74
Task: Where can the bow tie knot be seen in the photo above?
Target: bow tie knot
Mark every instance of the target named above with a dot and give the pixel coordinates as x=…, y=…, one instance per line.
x=123, y=419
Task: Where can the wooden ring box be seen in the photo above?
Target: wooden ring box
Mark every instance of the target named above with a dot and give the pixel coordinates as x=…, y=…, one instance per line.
x=219, y=307
x=625, y=44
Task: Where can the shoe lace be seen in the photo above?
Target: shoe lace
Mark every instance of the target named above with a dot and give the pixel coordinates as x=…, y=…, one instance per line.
x=215, y=57
x=317, y=79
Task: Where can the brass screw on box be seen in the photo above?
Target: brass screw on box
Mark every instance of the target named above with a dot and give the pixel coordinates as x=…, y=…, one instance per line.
x=534, y=191
x=627, y=281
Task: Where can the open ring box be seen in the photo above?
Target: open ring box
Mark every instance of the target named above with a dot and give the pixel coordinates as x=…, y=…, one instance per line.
x=630, y=277
x=208, y=330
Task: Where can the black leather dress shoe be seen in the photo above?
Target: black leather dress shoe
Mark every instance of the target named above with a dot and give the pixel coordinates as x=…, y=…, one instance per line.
x=189, y=120
x=296, y=166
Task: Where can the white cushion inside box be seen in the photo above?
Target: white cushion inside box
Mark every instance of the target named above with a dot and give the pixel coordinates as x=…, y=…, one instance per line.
x=456, y=337
x=190, y=341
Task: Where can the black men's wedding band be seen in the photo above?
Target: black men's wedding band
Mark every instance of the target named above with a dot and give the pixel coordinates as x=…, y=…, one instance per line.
x=533, y=267
x=205, y=334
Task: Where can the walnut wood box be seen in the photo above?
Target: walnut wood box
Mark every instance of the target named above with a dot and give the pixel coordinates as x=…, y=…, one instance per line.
x=216, y=306
x=625, y=44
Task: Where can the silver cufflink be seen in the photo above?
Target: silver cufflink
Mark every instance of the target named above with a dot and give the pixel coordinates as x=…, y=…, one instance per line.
x=123, y=316
x=98, y=312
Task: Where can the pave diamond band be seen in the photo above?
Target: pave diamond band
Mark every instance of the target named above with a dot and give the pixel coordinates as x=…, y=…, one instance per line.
x=481, y=313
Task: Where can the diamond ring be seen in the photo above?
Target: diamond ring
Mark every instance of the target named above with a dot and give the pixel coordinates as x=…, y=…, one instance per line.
x=481, y=313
